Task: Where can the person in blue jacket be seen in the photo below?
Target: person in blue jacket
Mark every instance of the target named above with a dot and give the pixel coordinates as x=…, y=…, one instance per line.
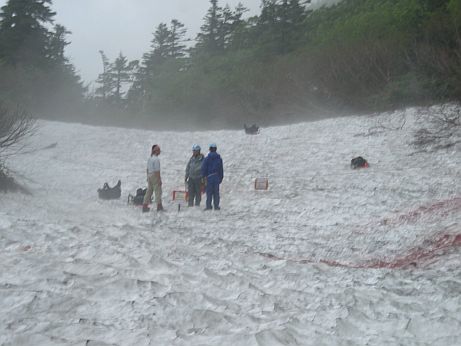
x=212, y=170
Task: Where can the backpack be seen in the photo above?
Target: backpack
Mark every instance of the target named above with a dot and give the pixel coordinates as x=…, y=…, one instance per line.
x=359, y=162
x=108, y=192
x=139, y=198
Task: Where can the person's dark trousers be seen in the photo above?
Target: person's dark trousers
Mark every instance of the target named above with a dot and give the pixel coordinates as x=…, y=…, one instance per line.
x=194, y=191
x=212, y=193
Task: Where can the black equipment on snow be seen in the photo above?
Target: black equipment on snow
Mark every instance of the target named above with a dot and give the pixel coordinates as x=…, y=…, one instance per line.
x=108, y=192
x=251, y=130
x=359, y=162
x=139, y=198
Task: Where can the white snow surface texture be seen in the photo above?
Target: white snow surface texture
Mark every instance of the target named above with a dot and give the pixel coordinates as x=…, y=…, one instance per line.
x=327, y=256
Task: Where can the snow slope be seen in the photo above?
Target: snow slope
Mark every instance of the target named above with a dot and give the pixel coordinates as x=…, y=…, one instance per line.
x=326, y=256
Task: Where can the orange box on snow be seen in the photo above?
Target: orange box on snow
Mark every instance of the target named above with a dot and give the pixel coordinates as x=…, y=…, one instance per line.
x=261, y=183
x=180, y=195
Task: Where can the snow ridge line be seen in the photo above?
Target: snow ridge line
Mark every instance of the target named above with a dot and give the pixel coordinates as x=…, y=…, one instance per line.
x=436, y=247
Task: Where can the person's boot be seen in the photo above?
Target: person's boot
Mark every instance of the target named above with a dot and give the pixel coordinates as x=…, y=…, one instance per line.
x=160, y=207
x=145, y=208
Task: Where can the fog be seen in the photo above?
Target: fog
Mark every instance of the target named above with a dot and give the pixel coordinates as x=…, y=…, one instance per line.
x=126, y=26
x=324, y=255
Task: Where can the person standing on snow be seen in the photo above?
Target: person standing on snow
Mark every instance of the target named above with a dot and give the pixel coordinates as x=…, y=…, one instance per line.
x=154, y=180
x=194, y=176
x=212, y=170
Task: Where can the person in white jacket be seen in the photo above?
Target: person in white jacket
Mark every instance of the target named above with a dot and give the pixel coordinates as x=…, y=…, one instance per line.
x=154, y=180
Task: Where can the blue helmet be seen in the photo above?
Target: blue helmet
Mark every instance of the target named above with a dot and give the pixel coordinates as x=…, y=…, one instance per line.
x=213, y=145
x=196, y=147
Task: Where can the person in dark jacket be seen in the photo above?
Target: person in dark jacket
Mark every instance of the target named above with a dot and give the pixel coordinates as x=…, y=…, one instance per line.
x=194, y=176
x=212, y=170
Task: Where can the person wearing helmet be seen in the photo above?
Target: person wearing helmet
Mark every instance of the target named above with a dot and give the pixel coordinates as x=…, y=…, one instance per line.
x=212, y=170
x=194, y=176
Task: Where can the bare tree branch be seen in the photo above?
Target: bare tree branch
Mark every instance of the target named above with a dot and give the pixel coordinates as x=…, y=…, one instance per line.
x=444, y=131
x=14, y=127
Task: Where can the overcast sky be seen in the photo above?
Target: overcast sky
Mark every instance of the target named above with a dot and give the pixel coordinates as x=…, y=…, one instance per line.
x=125, y=26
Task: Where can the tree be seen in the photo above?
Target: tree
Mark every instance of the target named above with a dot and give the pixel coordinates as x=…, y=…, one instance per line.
x=160, y=42
x=23, y=32
x=56, y=45
x=121, y=73
x=222, y=29
x=105, y=79
x=14, y=127
x=280, y=25
x=35, y=71
x=166, y=45
x=114, y=78
x=176, y=48
x=233, y=28
x=230, y=22
x=209, y=37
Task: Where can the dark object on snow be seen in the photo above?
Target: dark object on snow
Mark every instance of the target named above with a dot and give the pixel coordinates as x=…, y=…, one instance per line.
x=51, y=146
x=139, y=198
x=251, y=130
x=359, y=162
x=7, y=183
x=108, y=192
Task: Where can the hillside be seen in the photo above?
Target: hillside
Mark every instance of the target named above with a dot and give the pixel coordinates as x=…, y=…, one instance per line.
x=326, y=256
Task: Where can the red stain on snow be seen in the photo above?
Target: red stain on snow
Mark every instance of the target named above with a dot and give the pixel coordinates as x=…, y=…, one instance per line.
x=438, y=246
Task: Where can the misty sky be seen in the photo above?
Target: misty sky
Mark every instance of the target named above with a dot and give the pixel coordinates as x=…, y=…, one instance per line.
x=125, y=26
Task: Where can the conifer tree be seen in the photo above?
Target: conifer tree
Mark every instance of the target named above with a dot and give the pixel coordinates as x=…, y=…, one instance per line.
x=105, y=79
x=160, y=42
x=176, y=39
x=233, y=33
x=56, y=46
x=151, y=61
x=209, y=38
x=166, y=44
x=230, y=21
x=120, y=74
x=279, y=25
x=23, y=32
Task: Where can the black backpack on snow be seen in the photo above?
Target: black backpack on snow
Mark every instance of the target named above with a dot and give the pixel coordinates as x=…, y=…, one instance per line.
x=139, y=198
x=359, y=162
x=108, y=192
